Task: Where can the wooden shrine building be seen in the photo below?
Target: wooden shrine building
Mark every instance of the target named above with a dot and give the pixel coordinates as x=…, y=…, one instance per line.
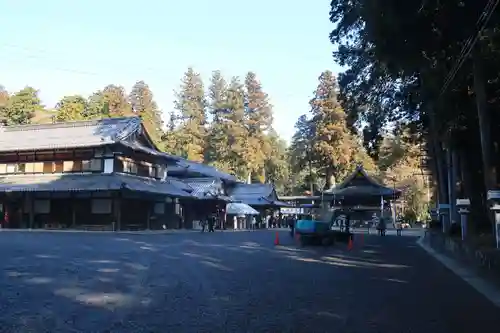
x=362, y=195
x=99, y=174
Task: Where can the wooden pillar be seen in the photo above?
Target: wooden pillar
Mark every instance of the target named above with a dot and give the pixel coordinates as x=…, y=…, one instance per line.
x=148, y=215
x=31, y=204
x=73, y=209
x=117, y=211
x=22, y=209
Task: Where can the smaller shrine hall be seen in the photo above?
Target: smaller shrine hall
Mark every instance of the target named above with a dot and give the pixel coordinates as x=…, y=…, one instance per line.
x=363, y=196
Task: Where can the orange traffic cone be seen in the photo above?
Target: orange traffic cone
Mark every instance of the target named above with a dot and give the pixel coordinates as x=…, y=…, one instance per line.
x=277, y=239
x=349, y=244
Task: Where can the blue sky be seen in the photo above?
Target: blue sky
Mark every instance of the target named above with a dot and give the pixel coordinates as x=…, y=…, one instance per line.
x=77, y=47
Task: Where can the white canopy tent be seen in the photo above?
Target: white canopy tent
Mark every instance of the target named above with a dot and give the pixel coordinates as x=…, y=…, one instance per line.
x=239, y=208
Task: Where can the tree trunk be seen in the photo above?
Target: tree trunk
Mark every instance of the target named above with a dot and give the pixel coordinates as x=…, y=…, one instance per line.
x=438, y=157
x=329, y=178
x=489, y=171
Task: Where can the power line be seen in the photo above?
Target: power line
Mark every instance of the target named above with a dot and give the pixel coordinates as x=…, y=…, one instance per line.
x=471, y=42
x=46, y=56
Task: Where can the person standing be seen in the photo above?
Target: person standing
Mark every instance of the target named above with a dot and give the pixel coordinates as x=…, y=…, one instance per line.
x=399, y=228
x=211, y=224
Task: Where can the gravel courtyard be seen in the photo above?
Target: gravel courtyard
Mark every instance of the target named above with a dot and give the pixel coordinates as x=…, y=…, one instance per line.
x=229, y=282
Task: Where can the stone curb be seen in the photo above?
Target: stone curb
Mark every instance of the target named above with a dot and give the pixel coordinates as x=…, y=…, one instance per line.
x=487, y=289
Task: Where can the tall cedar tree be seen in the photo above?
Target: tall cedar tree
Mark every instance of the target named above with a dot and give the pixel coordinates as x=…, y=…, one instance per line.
x=191, y=106
x=332, y=141
x=258, y=119
x=237, y=134
x=217, y=153
x=22, y=106
x=142, y=104
x=276, y=163
x=301, y=154
x=116, y=101
x=170, y=140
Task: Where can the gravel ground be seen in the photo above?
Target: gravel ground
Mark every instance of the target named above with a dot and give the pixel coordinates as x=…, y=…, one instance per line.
x=229, y=282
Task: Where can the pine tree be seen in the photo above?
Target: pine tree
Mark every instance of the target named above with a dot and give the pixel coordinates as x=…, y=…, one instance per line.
x=191, y=105
x=142, y=104
x=71, y=108
x=22, y=106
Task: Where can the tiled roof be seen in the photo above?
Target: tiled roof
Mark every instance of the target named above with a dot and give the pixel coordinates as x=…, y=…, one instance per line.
x=255, y=190
x=256, y=195
x=185, y=167
x=87, y=182
x=68, y=134
x=359, y=183
x=180, y=184
x=206, y=188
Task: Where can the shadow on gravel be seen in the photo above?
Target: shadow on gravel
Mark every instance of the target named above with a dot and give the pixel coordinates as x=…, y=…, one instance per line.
x=75, y=284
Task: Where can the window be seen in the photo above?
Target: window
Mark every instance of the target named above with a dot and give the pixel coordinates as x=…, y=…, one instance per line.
x=119, y=165
x=47, y=167
x=101, y=206
x=58, y=167
x=160, y=172
x=11, y=168
x=68, y=166
x=96, y=164
x=3, y=168
x=159, y=208
x=129, y=167
x=85, y=166
x=38, y=167
x=143, y=170
x=30, y=168
x=91, y=165
x=77, y=166
x=42, y=206
x=152, y=171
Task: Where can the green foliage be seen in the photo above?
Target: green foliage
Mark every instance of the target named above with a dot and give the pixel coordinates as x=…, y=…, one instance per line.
x=116, y=101
x=4, y=100
x=191, y=107
x=323, y=143
x=21, y=107
x=217, y=152
x=142, y=104
x=236, y=137
x=71, y=108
